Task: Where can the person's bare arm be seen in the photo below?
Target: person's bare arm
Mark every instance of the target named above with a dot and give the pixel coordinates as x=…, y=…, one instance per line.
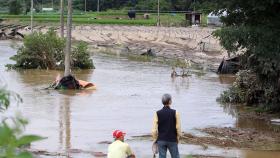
x=129, y=152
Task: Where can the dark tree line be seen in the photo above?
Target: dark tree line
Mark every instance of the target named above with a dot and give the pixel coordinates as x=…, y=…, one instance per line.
x=23, y=6
x=253, y=27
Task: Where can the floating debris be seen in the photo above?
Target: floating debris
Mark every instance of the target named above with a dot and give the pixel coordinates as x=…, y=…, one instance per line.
x=229, y=66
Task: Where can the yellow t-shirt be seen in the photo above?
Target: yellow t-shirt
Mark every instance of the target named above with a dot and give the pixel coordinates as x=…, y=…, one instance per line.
x=119, y=149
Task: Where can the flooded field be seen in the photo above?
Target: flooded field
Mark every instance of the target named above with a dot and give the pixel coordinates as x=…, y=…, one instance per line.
x=128, y=93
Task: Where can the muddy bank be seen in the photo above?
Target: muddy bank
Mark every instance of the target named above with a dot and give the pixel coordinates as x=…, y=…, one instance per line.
x=196, y=44
x=229, y=137
x=237, y=138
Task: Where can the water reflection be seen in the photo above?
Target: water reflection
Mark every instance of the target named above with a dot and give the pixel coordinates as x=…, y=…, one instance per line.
x=244, y=121
x=180, y=82
x=65, y=124
x=227, y=79
x=230, y=109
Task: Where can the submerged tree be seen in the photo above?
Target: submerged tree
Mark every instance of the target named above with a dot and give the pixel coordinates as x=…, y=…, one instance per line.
x=252, y=27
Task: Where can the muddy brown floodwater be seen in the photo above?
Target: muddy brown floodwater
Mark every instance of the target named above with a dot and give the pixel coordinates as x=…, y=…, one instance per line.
x=128, y=93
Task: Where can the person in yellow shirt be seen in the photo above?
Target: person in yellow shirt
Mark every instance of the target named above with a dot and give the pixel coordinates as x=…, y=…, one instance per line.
x=119, y=149
x=167, y=129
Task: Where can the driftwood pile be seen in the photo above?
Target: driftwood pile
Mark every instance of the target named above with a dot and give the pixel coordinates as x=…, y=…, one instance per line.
x=10, y=31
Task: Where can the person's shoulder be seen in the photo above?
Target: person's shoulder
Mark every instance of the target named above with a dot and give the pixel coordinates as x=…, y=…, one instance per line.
x=159, y=110
x=110, y=146
x=126, y=144
x=122, y=143
x=174, y=110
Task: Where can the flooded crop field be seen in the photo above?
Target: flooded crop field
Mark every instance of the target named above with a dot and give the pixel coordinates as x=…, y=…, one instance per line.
x=76, y=123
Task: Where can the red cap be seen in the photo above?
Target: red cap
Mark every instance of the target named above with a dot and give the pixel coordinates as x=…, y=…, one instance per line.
x=118, y=134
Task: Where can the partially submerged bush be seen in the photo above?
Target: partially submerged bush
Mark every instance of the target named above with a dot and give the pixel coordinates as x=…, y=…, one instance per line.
x=45, y=51
x=247, y=90
x=81, y=57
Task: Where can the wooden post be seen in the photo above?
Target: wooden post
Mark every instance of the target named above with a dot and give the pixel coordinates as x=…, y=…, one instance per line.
x=31, y=13
x=67, y=71
x=158, y=17
x=85, y=5
x=97, y=5
x=62, y=18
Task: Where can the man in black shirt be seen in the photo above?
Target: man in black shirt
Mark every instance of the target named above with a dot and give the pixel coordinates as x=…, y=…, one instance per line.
x=167, y=129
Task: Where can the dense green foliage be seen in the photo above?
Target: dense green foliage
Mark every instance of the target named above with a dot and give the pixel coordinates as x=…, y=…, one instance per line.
x=12, y=141
x=81, y=58
x=15, y=7
x=45, y=51
x=113, y=11
x=166, y=5
x=40, y=51
x=105, y=5
x=253, y=27
x=110, y=17
x=5, y=97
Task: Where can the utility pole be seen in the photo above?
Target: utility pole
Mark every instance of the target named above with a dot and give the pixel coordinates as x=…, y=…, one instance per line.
x=97, y=5
x=41, y=5
x=31, y=13
x=194, y=6
x=52, y=5
x=158, y=18
x=85, y=5
x=62, y=18
x=67, y=70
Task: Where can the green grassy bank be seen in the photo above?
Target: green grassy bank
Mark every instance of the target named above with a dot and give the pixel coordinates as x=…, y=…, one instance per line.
x=118, y=18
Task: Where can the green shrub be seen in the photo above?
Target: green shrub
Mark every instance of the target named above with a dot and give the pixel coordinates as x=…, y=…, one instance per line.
x=246, y=89
x=12, y=141
x=81, y=57
x=15, y=7
x=241, y=90
x=40, y=50
x=5, y=97
x=251, y=29
x=45, y=51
